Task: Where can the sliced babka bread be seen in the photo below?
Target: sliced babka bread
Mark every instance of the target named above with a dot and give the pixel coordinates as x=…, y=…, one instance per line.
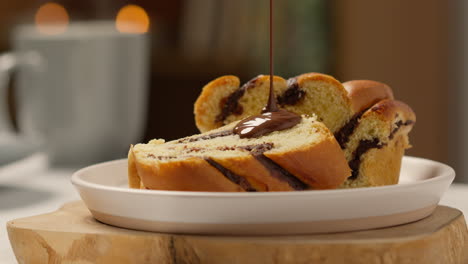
x=306, y=156
x=347, y=110
x=222, y=101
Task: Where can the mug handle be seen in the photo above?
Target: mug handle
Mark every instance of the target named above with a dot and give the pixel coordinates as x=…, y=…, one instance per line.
x=9, y=62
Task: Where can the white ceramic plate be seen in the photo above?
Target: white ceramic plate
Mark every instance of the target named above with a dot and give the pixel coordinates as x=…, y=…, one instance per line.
x=103, y=188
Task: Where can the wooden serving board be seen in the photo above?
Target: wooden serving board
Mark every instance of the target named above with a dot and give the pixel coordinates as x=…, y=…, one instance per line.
x=71, y=235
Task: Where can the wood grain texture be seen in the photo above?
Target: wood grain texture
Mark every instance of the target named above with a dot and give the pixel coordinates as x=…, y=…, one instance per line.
x=71, y=235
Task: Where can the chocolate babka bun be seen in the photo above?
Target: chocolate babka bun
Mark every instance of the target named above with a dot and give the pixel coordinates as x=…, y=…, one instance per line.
x=361, y=114
x=305, y=156
x=375, y=148
x=370, y=126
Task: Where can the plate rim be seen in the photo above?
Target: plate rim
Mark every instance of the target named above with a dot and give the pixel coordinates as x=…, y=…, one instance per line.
x=448, y=173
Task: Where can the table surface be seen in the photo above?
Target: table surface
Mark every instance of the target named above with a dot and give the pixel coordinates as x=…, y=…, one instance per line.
x=28, y=187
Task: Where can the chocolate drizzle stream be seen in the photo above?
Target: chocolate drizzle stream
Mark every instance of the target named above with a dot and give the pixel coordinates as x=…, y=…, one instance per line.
x=271, y=106
x=292, y=95
x=272, y=118
x=239, y=180
x=275, y=170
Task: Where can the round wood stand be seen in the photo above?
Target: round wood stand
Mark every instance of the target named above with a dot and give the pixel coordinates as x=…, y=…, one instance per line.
x=71, y=235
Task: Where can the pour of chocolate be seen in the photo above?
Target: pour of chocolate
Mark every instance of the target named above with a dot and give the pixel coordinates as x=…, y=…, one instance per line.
x=271, y=105
x=272, y=118
x=258, y=125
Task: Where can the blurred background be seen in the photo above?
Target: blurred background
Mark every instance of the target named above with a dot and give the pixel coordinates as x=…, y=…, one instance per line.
x=417, y=47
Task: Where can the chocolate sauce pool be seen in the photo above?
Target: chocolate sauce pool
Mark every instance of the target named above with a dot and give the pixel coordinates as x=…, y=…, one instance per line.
x=272, y=118
x=258, y=125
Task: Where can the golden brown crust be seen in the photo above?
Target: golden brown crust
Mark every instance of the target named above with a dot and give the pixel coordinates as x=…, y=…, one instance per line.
x=321, y=166
x=266, y=79
x=257, y=175
x=389, y=110
x=365, y=93
x=192, y=174
x=315, y=76
x=316, y=161
x=204, y=106
x=382, y=166
x=133, y=179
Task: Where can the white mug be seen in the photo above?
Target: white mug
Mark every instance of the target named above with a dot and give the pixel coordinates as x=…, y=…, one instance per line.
x=81, y=95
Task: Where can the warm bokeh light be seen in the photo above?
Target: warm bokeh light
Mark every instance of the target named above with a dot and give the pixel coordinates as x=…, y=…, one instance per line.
x=51, y=19
x=132, y=19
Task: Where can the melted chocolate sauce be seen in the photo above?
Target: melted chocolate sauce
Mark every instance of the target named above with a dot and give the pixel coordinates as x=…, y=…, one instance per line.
x=237, y=179
x=292, y=95
x=272, y=118
x=271, y=106
x=258, y=125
